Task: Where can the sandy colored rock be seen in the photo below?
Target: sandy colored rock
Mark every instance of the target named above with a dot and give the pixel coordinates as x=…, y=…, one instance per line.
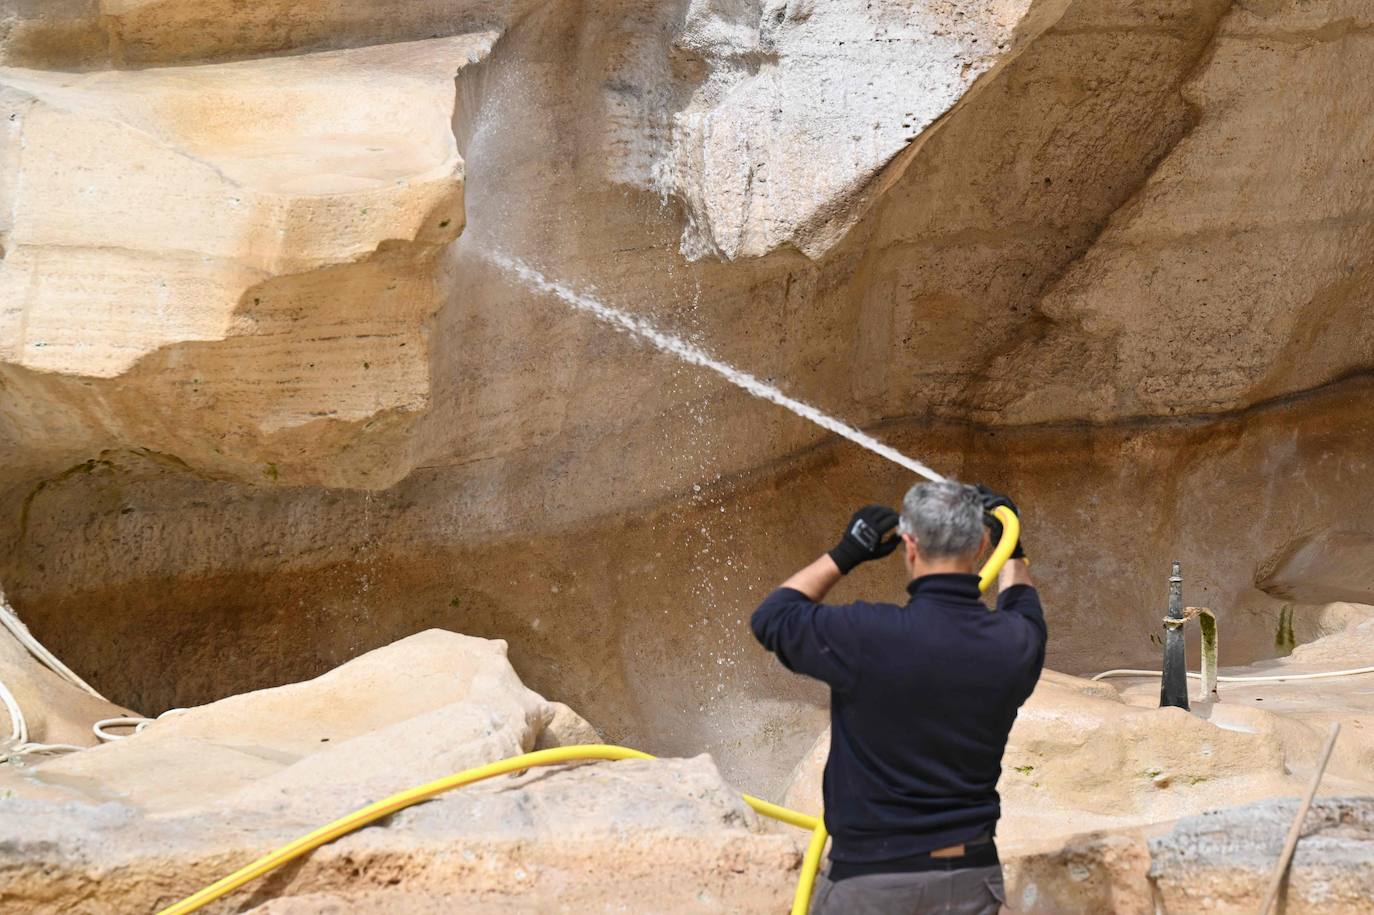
x=565, y=729
x=675, y=836
x=524, y=421
x=1092, y=872
x=132, y=33
x=640, y=621
x=427, y=706
x=252, y=246
x=1221, y=862
x=1116, y=267
x=1265, y=183
x=153, y=817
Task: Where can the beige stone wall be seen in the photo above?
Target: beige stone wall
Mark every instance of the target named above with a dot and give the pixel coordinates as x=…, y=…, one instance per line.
x=256, y=390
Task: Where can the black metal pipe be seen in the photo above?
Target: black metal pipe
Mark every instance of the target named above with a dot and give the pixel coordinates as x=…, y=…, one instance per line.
x=1173, y=686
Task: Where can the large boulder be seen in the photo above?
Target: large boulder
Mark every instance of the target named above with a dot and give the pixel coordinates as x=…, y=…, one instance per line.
x=133, y=825
x=429, y=705
x=1237, y=271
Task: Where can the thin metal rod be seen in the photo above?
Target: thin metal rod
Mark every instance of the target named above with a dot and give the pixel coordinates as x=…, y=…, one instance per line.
x=1295, y=831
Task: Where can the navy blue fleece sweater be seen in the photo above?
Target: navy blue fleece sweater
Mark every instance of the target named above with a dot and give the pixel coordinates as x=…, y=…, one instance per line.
x=922, y=698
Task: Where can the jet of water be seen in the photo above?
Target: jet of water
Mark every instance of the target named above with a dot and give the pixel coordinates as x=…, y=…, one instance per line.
x=695, y=355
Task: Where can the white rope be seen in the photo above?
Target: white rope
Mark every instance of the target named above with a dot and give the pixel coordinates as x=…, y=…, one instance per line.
x=18, y=744
x=1124, y=672
x=137, y=723
x=47, y=658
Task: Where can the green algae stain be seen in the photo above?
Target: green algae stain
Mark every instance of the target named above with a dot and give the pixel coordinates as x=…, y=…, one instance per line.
x=1284, y=640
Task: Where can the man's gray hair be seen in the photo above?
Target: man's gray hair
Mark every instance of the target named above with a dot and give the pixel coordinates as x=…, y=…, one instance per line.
x=946, y=518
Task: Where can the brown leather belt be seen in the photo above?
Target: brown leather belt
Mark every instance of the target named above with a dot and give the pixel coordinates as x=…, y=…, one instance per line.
x=978, y=852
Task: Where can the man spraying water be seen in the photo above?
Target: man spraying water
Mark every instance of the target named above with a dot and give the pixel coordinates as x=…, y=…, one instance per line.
x=922, y=698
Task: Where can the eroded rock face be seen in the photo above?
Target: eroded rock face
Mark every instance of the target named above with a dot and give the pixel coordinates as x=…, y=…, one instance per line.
x=799, y=106
x=233, y=264
x=1233, y=275
x=1224, y=860
x=931, y=303
x=640, y=621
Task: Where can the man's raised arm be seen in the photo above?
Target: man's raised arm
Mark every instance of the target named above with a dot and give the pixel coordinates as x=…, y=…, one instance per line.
x=806, y=636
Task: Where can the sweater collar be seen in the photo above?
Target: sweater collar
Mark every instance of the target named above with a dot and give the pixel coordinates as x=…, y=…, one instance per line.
x=945, y=584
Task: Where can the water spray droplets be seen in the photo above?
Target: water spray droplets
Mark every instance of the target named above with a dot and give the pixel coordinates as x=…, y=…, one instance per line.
x=695, y=355
x=716, y=630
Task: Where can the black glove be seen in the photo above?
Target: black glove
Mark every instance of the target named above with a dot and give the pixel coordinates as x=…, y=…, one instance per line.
x=863, y=538
x=992, y=499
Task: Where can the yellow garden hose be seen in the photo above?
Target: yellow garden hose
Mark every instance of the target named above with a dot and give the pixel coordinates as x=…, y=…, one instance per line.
x=389, y=805
x=811, y=864
x=1011, y=532
x=811, y=861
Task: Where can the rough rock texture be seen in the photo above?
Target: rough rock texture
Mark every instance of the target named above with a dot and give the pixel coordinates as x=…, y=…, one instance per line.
x=139, y=823
x=1221, y=862
x=800, y=106
x=132, y=33
x=1092, y=872
x=250, y=246
x=426, y=706
x=640, y=622
x=1084, y=757
x=1120, y=273
x=1266, y=183
x=132, y=825
x=675, y=836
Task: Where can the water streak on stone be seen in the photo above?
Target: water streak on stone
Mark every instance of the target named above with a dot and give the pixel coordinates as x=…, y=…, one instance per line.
x=695, y=355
